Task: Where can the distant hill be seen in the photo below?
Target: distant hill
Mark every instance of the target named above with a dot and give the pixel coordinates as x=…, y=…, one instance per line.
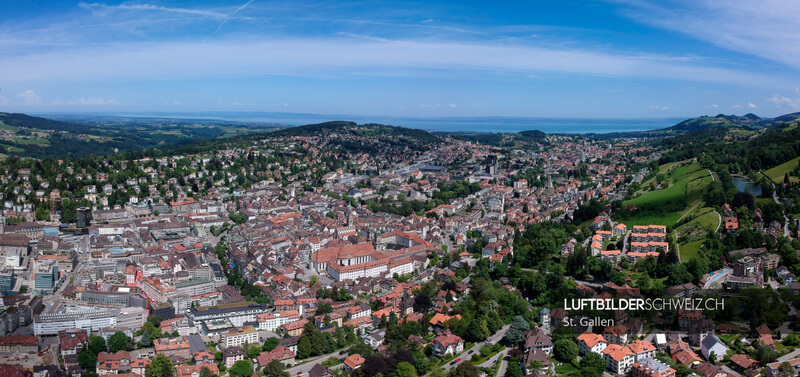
x=748, y=121
x=499, y=139
x=369, y=135
x=30, y=136
x=352, y=128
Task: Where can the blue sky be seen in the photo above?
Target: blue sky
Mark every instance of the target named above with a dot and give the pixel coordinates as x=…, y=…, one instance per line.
x=619, y=58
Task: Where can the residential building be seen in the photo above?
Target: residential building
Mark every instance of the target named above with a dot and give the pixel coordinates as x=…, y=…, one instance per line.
x=619, y=359
x=239, y=336
x=447, y=344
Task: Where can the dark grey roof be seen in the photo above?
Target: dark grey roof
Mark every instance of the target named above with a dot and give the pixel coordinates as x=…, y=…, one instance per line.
x=196, y=343
x=318, y=370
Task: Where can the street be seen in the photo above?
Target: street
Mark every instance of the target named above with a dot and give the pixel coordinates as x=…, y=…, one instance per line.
x=465, y=356
x=303, y=369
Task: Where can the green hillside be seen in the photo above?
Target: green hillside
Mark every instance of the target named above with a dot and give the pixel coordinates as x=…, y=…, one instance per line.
x=29, y=136
x=777, y=173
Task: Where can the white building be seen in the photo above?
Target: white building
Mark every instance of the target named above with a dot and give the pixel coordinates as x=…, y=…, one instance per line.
x=619, y=359
x=272, y=321
x=240, y=336
x=591, y=342
x=91, y=320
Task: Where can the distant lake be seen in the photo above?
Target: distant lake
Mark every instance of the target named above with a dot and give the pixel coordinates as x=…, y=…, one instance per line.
x=744, y=184
x=450, y=124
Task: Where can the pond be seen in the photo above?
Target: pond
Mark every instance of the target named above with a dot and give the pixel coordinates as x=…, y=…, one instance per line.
x=743, y=184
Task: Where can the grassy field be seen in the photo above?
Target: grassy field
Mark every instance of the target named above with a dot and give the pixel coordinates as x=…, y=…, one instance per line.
x=707, y=219
x=689, y=181
x=32, y=141
x=681, y=181
x=565, y=368
x=670, y=219
x=689, y=250
x=777, y=173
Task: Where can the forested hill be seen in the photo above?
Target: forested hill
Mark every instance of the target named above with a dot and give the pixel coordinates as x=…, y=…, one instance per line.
x=745, y=122
x=370, y=137
x=29, y=136
x=363, y=130
x=742, y=152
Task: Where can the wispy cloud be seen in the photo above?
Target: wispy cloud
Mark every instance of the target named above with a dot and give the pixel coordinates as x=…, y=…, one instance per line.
x=751, y=106
x=151, y=7
x=92, y=101
x=228, y=19
x=785, y=102
x=314, y=57
x=362, y=36
x=764, y=28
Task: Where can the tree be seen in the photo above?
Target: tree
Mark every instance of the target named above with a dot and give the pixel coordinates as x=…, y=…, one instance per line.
x=275, y=368
x=437, y=371
x=241, y=368
x=712, y=357
x=270, y=344
x=146, y=341
x=422, y=303
x=42, y=214
x=514, y=370
x=565, y=350
x=118, y=342
x=156, y=319
x=97, y=344
x=465, y=369
x=205, y=372
x=594, y=361
x=786, y=370
x=517, y=330
x=360, y=348
x=374, y=365
x=405, y=369
x=160, y=367
x=324, y=308
x=87, y=360
x=304, y=348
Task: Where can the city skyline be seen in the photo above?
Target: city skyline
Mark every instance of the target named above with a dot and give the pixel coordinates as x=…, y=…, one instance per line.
x=435, y=59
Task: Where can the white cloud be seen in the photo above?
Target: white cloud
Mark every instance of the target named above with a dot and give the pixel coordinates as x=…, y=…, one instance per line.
x=151, y=7
x=737, y=106
x=341, y=56
x=656, y=107
x=452, y=105
x=781, y=101
x=771, y=32
x=98, y=101
x=28, y=97
x=751, y=106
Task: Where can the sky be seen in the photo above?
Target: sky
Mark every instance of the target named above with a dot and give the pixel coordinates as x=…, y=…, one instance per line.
x=576, y=59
